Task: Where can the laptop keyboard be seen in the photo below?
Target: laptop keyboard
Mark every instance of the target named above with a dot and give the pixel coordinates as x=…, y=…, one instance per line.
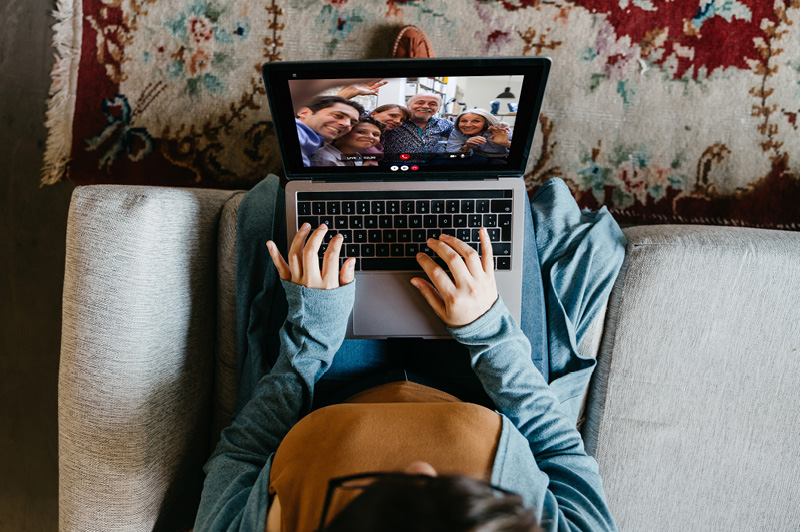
x=385, y=230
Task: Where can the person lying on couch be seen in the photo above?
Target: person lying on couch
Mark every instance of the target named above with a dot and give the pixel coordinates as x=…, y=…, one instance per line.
x=402, y=453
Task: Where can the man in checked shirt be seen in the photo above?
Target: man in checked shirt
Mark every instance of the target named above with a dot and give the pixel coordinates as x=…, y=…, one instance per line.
x=419, y=136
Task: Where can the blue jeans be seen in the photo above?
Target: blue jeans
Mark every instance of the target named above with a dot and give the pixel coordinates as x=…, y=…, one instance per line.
x=442, y=364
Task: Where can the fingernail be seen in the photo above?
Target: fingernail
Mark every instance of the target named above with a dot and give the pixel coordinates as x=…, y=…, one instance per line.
x=305, y=226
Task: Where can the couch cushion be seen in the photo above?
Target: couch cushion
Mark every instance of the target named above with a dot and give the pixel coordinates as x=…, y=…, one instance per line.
x=225, y=385
x=137, y=355
x=692, y=412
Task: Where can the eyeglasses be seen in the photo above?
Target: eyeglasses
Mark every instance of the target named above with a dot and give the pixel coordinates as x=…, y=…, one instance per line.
x=361, y=481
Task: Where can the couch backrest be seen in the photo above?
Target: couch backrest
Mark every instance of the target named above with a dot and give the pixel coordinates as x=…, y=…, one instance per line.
x=225, y=380
x=137, y=356
x=693, y=409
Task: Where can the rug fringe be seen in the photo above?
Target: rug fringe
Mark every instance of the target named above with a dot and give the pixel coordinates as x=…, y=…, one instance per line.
x=67, y=33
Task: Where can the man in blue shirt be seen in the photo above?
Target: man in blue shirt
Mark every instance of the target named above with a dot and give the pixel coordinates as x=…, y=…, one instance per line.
x=421, y=135
x=324, y=118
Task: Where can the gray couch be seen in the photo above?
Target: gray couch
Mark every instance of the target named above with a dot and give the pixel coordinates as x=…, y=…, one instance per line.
x=692, y=414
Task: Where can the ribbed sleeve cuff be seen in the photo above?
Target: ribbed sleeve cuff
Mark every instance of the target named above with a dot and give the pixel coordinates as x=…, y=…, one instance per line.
x=486, y=326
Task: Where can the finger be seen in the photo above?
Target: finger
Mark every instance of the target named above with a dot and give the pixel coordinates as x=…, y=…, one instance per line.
x=330, y=262
x=471, y=257
x=280, y=264
x=311, y=253
x=487, y=256
x=431, y=295
x=295, y=262
x=454, y=261
x=436, y=274
x=348, y=273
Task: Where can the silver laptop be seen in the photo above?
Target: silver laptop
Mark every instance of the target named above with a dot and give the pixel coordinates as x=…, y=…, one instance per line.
x=388, y=188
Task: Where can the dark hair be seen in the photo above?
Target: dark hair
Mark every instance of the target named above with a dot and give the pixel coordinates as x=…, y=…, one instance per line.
x=450, y=502
x=388, y=106
x=323, y=102
x=369, y=120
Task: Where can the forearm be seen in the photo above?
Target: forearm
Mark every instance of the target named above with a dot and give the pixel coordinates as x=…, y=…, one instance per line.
x=237, y=475
x=454, y=145
x=501, y=357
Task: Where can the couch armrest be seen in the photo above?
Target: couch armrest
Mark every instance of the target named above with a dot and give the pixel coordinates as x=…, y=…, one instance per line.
x=137, y=356
x=692, y=411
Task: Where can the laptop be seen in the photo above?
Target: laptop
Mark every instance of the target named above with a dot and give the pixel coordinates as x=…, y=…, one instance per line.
x=414, y=183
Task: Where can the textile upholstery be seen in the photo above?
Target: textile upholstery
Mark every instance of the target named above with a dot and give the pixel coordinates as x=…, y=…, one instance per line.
x=692, y=413
x=137, y=356
x=225, y=386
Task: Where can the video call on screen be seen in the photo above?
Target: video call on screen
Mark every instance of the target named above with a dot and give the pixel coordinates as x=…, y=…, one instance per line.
x=414, y=124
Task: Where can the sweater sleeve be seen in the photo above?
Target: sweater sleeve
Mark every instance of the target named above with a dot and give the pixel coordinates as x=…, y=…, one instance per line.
x=455, y=141
x=573, y=498
x=236, y=490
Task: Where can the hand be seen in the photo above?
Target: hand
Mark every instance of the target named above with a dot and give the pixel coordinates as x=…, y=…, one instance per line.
x=499, y=135
x=365, y=89
x=303, y=266
x=474, y=141
x=471, y=292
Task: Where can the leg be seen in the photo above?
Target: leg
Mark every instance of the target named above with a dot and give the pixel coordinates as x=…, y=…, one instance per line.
x=533, y=320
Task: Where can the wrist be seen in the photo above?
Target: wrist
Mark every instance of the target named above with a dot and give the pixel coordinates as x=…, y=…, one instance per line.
x=484, y=324
x=317, y=305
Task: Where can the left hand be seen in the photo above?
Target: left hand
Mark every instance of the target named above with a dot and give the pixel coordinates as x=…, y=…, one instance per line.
x=303, y=267
x=473, y=289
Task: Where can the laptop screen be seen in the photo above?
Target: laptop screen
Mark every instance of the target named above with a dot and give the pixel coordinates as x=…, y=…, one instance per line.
x=417, y=118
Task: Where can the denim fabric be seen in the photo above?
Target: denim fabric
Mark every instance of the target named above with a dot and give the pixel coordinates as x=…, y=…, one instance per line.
x=310, y=141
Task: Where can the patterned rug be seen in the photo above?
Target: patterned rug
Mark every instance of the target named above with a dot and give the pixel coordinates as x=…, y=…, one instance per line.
x=682, y=111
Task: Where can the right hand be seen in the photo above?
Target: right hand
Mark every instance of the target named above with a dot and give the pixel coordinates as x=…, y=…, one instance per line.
x=362, y=89
x=303, y=266
x=471, y=292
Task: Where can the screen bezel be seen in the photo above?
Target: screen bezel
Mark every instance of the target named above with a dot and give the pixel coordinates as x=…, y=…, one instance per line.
x=277, y=76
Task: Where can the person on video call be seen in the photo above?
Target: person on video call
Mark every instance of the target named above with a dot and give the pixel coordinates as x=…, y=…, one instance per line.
x=391, y=115
x=324, y=118
x=365, y=134
x=480, y=135
x=423, y=134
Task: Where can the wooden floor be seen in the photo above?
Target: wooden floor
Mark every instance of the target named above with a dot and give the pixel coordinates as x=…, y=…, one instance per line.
x=33, y=222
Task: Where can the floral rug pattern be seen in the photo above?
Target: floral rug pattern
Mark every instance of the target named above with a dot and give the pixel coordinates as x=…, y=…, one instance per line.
x=666, y=112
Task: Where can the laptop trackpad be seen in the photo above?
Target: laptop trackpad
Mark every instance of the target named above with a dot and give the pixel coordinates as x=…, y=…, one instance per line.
x=388, y=305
